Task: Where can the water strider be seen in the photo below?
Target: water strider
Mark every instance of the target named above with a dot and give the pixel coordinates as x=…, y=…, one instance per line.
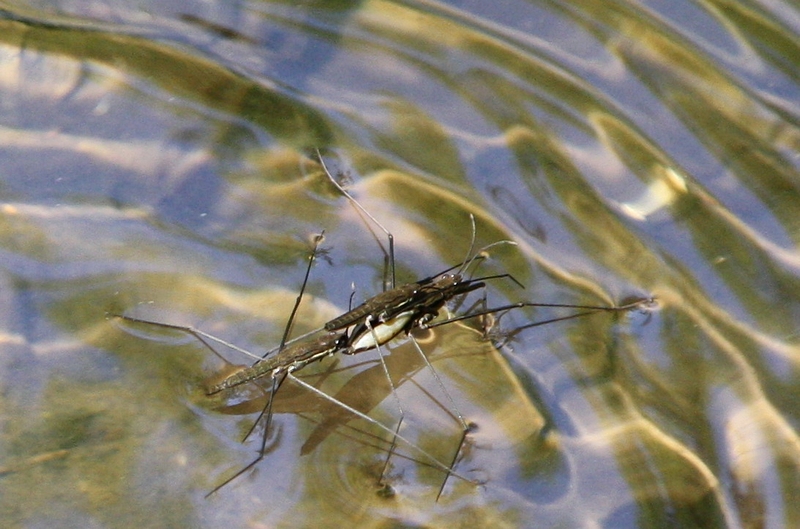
x=369, y=326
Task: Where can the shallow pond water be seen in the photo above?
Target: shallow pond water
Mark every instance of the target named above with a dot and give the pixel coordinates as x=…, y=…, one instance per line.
x=157, y=160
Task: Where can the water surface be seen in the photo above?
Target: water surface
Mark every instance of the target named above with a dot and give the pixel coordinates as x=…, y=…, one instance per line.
x=156, y=159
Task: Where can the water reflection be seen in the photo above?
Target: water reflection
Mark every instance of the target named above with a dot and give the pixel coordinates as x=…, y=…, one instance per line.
x=155, y=161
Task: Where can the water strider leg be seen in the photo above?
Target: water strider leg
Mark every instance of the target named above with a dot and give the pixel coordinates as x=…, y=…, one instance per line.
x=362, y=211
x=276, y=383
x=431, y=459
x=381, y=480
x=586, y=310
x=268, y=407
x=197, y=333
x=465, y=428
x=288, y=329
x=277, y=377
